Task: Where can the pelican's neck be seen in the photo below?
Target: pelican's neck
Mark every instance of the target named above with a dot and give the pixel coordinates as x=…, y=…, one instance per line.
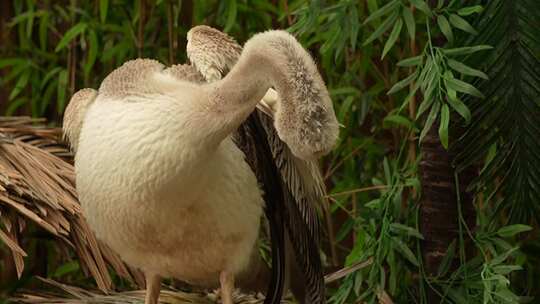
x=234, y=97
x=248, y=81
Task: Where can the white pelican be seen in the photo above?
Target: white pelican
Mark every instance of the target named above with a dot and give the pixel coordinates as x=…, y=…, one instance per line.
x=174, y=173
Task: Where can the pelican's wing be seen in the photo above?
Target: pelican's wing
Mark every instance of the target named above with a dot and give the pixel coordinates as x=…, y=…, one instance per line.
x=298, y=181
x=212, y=52
x=185, y=72
x=74, y=115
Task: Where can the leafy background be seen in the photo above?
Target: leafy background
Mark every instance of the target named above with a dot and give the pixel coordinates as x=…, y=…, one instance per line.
x=435, y=184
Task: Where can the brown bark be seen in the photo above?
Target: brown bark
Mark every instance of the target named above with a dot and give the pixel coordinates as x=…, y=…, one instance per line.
x=439, y=213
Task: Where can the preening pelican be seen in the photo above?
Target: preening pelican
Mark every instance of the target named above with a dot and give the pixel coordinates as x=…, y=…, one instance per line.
x=174, y=173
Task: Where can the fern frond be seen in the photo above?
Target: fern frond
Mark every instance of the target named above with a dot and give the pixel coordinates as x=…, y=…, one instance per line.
x=509, y=117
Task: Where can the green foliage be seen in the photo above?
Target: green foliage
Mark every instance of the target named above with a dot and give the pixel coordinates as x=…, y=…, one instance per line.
x=507, y=120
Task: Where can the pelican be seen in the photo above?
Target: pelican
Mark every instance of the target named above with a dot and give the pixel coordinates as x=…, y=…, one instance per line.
x=176, y=166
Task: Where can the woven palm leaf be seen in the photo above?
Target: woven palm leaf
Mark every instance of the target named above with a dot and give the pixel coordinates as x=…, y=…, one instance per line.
x=66, y=294
x=37, y=185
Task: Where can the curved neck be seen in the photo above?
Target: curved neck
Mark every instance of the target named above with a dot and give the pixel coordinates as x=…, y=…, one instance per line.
x=233, y=98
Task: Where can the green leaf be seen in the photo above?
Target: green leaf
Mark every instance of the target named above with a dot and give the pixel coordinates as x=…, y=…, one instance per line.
x=30, y=20
x=445, y=28
x=422, y=6
x=61, y=91
x=11, y=62
x=411, y=61
x=381, y=29
x=403, y=229
x=409, y=22
x=398, y=120
x=462, y=24
x=469, y=10
x=458, y=105
x=429, y=121
x=466, y=50
x=345, y=108
x=66, y=268
x=20, y=84
x=382, y=11
x=393, y=37
x=443, y=126
x=405, y=251
x=506, y=269
x=48, y=77
x=447, y=260
x=14, y=105
x=70, y=34
x=232, y=10
x=509, y=231
x=402, y=83
x=43, y=30
x=103, y=9
x=424, y=105
x=466, y=70
x=92, y=52
x=387, y=172
x=502, y=257
x=463, y=87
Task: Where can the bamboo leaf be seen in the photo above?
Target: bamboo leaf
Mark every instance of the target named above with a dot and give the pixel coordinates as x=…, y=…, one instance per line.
x=61, y=91
x=469, y=10
x=382, y=11
x=403, y=229
x=402, y=83
x=462, y=24
x=14, y=105
x=422, y=6
x=466, y=70
x=463, y=87
x=429, y=121
x=446, y=262
x=70, y=35
x=398, y=120
x=445, y=28
x=412, y=61
x=103, y=9
x=11, y=62
x=443, y=126
x=381, y=29
x=232, y=10
x=92, y=52
x=405, y=251
x=20, y=84
x=393, y=37
x=459, y=106
x=43, y=28
x=466, y=50
x=409, y=22
x=509, y=231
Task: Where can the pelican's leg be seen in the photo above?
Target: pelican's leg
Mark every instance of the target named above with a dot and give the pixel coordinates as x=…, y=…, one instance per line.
x=153, y=284
x=226, y=281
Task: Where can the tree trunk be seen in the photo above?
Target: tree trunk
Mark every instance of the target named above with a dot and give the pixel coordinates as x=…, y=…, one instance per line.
x=439, y=214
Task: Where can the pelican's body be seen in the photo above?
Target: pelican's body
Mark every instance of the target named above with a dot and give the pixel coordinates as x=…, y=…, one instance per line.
x=162, y=182
x=151, y=187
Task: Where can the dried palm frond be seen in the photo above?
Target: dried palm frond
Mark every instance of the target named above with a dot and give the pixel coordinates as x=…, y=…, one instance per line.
x=75, y=295
x=37, y=185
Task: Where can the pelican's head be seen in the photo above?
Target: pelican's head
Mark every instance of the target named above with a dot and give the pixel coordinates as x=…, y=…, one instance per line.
x=304, y=114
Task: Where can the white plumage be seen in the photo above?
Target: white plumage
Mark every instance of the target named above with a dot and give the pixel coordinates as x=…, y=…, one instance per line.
x=158, y=175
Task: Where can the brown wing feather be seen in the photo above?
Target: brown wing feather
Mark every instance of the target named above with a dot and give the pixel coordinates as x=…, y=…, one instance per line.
x=299, y=181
